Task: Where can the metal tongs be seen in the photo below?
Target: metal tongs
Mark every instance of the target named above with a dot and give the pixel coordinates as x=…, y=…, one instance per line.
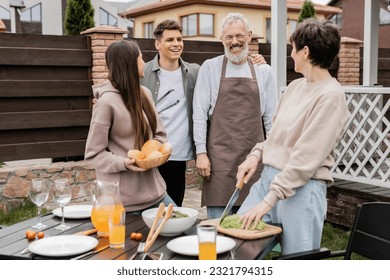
x=153, y=234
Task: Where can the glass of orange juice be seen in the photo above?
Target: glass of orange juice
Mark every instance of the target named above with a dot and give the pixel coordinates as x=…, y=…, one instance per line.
x=207, y=237
x=117, y=229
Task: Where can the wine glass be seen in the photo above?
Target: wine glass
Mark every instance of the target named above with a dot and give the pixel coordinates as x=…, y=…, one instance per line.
x=39, y=193
x=62, y=193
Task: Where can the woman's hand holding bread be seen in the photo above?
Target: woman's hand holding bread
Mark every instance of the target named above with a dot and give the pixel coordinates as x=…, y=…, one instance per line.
x=149, y=155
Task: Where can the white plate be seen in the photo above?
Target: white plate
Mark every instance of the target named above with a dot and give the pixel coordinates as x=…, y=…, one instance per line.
x=74, y=211
x=63, y=245
x=188, y=245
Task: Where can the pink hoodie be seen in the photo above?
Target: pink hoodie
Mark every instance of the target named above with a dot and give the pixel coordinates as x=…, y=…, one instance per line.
x=110, y=137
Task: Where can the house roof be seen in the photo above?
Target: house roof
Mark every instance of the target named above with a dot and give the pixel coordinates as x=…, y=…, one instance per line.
x=123, y=6
x=143, y=7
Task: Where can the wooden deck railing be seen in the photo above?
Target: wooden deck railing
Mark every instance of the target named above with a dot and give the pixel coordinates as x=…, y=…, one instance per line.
x=363, y=153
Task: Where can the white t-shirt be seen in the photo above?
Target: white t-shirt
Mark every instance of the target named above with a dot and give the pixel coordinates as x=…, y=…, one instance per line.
x=172, y=108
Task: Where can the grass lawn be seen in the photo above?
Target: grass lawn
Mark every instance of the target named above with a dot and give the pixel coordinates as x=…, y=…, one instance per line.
x=333, y=238
x=20, y=213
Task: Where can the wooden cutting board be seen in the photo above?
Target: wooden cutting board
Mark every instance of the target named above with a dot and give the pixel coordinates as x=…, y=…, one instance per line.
x=244, y=233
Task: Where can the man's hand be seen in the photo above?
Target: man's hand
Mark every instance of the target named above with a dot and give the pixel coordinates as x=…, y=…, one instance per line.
x=257, y=59
x=203, y=165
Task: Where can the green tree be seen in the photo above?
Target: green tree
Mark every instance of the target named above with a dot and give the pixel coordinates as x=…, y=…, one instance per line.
x=79, y=16
x=307, y=11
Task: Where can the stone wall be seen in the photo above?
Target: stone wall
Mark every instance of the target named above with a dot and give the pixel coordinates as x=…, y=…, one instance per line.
x=15, y=182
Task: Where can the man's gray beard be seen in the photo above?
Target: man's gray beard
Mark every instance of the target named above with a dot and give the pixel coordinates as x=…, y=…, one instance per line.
x=237, y=59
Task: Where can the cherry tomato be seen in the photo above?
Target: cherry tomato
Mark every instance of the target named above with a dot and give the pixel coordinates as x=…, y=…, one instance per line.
x=138, y=236
x=31, y=235
x=132, y=235
x=40, y=235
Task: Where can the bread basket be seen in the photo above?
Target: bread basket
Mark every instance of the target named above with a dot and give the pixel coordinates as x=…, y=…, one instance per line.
x=154, y=162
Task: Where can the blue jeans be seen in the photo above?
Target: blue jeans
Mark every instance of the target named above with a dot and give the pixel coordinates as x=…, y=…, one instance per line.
x=301, y=215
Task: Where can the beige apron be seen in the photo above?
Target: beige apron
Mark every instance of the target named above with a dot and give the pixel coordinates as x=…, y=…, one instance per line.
x=236, y=126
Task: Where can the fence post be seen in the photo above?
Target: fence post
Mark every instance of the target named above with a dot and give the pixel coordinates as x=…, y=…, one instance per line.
x=101, y=37
x=349, y=61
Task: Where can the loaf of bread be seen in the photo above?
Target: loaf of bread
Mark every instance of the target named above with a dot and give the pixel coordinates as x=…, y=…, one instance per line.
x=152, y=154
x=150, y=146
x=136, y=154
x=165, y=148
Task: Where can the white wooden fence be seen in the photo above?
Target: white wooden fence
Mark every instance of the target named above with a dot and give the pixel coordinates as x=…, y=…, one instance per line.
x=363, y=153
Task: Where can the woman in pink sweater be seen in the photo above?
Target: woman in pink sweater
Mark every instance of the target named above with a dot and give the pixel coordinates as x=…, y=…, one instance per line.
x=123, y=118
x=297, y=155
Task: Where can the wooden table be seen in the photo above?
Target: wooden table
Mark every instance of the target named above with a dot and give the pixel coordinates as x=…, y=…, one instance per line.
x=13, y=241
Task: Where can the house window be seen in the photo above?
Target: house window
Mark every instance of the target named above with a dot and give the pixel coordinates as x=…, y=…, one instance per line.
x=198, y=25
x=148, y=30
x=337, y=19
x=291, y=26
x=4, y=13
x=268, y=30
x=32, y=14
x=189, y=24
x=107, y=19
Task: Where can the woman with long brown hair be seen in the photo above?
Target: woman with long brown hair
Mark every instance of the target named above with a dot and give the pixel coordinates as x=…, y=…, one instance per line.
x=124, y=118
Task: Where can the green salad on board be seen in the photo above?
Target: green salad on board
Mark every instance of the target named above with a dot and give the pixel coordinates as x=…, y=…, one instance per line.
x=232, y=222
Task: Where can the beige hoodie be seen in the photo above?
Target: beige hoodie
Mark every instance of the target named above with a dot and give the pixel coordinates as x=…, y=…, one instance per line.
x=110, y=137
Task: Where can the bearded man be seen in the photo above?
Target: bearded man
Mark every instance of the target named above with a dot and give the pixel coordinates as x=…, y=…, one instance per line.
x=233, y=105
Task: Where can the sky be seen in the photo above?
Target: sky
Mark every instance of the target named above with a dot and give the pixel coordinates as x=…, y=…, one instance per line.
x=323, y=2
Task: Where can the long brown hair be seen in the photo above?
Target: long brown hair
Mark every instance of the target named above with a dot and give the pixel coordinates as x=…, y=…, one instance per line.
x=121, y=59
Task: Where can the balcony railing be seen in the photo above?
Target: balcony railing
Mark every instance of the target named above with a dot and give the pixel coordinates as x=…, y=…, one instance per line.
x=363, y=153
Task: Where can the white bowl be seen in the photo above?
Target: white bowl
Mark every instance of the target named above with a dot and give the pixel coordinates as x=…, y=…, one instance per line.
x=173, y=226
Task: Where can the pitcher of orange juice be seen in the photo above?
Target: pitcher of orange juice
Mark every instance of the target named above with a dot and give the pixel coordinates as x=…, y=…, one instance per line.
x=106, y=204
